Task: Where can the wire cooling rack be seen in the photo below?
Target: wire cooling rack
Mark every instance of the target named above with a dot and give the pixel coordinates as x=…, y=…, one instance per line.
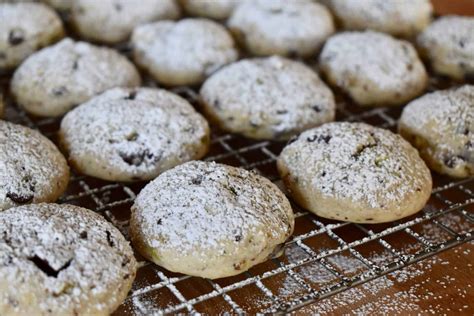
x=322, y=258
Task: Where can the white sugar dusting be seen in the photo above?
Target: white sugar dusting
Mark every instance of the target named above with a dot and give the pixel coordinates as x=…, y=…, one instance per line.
x=201, y=206
x=184, y=52
x=31, y=168
x=133, y=134
x=59, y=77
x=356, y=161
x=71, y=263
x=275, y=96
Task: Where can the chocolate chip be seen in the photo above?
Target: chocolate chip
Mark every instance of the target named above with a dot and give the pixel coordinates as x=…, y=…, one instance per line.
x=44, y=266
x=20, y=198
x=451, y=162
x=409, y=67
x=125, y=261
x=316, y=108
x=197, y=180
x=109, y=239
x=281, y=112
x=159, y=221
x=59, y=91
x=469, y=144
x=323, y=174
x=131, y=95
x=319, y=138
x=83, y=235
x=238, y=238
x=16, y=36
x=137, y=158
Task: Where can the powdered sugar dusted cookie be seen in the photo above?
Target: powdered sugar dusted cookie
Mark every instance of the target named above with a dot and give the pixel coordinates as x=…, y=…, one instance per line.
x=25, y=28
x=267, y=27
x=399, y=18
x=112, y=21
x=210, y=220
x=269, y=98
x=355, y=172
x=133, y=134
x=449, y=45
x=57, y=78
x=374, y=69
x=214, y=9
x=32, y=170
x=184, y=52
x=441, y=126
x=62, y=260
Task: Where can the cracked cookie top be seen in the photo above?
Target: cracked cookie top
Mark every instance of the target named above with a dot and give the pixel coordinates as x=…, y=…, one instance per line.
x=69, y=259
x=133, y=134
x=32, y=169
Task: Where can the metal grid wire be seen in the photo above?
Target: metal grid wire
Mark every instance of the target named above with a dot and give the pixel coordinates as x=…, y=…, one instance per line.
x=158, y=291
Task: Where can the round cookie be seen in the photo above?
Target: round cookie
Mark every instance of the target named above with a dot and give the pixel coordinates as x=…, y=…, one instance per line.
x=57, y=78
x=374, y=69
x=112, y=21
x=215, y=9
x=25, y=28
x=267, y=98
x=210, y=220
x=32, y=170
x=183, y=52
x=448, y=43
x=398, y=18
x=62, y=260
x=281, y=27
x=355, y=172
x=441, y=126
x=133, y=134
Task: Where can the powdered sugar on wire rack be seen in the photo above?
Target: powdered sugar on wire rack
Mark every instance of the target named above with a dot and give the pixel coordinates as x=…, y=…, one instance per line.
x=322, y=259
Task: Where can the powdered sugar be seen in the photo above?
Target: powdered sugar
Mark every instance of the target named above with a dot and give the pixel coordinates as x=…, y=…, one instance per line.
x=127, y=134
x=59, y=77
x=445, y=120
x=356, y=161
x=69, y=258
x=184, y=52
x=404, y=18
x=449, y=41
x=201, y=205
x=31, y=167
x=268, y=98
x=374, y=63
x=25, y=27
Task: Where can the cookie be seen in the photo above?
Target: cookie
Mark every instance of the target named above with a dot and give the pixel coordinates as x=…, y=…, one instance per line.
x=57, y=78
x=374, y=69
x=398, y=18
x=133, y=134
x=32, y=170
x=214, y=9
x=448, y=44
x=267, y=98
x=355, y=172
x=281, y=27
x=62, y=260
x=210, y=220
x=183, y=52
x=112, y=21
x=441, y=126
x=24, y=29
